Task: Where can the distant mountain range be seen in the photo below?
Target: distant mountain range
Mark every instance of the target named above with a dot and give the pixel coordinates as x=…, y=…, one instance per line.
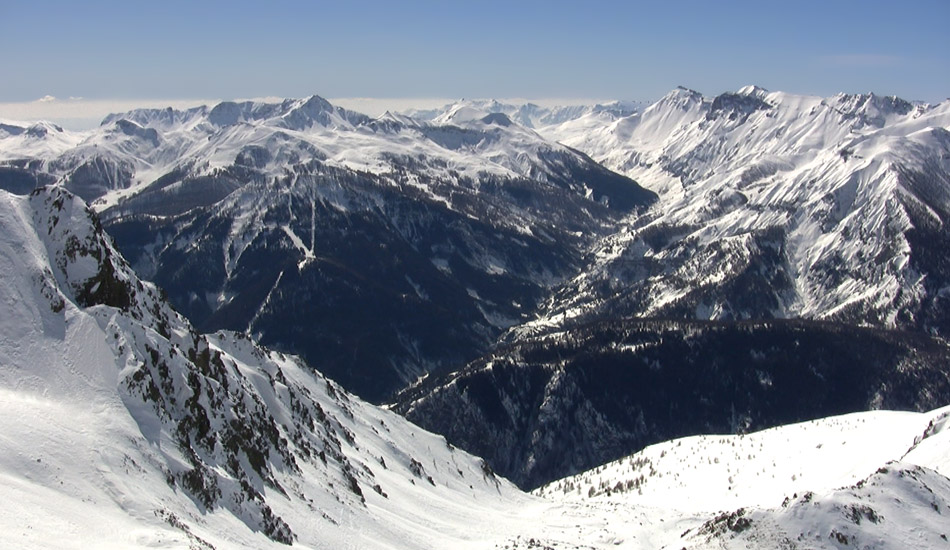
x=771, y=207
x=783, y=260
x=380, y=249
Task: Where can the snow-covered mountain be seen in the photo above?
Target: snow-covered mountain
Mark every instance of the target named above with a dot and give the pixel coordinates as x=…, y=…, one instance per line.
x=116, y=409
x=529, y=115
x=437, y=233
x=35, y=139
x=125, y=428
x=150, y=149
x=384, y=248
x=867, y=480
x=772, y=205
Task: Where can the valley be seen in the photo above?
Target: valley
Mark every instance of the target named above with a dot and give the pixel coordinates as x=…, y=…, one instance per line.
x=722, y=320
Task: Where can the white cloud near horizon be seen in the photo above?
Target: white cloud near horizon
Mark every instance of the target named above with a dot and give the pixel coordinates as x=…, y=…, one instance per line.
x=77, y=113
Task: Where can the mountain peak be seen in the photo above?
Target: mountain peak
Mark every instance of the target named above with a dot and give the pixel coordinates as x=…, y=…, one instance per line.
x=870, y=109
x=310, y=111
x=317, y=110
x=164, y=118
x=391, y=117
x=42, y=129
x=753, y=90
x=461, y=112
x=682, y=97
x=737, y=106
x=683, y=90
x=226, y=113
x=316, y=103
x=871, y=99
x=181, y=424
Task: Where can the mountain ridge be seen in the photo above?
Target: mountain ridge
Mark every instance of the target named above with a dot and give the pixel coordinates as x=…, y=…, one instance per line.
x=820, y=204
x=124, y=408
x=123, y=412
x=239, y=211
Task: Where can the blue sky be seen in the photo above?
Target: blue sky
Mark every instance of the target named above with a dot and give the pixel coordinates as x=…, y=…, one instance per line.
x=393, y=49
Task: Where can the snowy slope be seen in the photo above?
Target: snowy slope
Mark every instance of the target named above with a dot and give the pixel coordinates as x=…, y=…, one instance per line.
x=116, y=409
x=526, y=114
x=130, y=151
x=832, y=483
x=825, y=208
x=124, y=428
x=34, y=139
x=756, y=469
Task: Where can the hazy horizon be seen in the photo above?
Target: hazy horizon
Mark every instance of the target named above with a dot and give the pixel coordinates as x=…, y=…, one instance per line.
x=180, y=52
x=80, y=114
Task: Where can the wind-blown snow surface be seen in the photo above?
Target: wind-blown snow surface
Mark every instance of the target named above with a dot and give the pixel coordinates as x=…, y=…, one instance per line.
x=123, y=428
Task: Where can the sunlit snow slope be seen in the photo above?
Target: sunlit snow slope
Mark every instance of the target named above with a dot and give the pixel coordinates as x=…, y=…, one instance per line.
x=122, y=427
x=772, y=205
x=865, y=480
